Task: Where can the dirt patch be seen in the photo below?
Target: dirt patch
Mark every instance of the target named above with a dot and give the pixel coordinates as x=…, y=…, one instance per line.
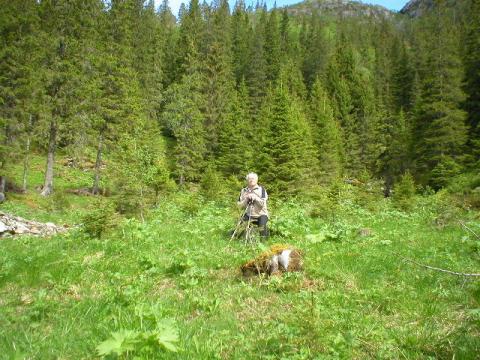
x=163, y=285
x=89, y=259
x=351, y=284
x=32, y=204
x=26, y=298
x=73, y=292
x=224, y=274
x=313, y=284
x=252, y=308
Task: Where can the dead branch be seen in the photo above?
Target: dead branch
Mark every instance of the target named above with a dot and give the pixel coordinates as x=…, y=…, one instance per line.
x=466, y=227
x=438, y=269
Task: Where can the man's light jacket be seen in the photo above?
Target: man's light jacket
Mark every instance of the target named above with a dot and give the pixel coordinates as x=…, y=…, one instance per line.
x=259, y=206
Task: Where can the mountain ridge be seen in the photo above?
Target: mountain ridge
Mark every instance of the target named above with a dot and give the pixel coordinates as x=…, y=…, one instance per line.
x=418, y=8
x=345, y=8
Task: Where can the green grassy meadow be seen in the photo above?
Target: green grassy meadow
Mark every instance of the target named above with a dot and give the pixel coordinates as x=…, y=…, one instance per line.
x=171, y=287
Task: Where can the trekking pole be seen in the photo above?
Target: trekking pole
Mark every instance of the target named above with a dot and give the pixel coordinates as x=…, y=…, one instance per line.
x=249, y=223
x=239, y=223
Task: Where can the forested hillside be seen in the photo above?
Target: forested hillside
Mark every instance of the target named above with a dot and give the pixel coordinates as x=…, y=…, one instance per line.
x=304, y=99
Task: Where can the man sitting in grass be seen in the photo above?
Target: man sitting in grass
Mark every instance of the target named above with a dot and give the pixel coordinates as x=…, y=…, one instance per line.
x=253, y=199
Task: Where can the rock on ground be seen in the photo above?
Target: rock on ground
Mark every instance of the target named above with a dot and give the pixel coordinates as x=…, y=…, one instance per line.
x=15, y=225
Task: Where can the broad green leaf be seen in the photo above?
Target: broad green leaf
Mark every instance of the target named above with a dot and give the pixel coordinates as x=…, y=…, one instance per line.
x=120, y=342
x=167, y=335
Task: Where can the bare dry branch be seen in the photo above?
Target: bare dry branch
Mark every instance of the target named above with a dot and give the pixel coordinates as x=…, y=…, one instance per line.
x=438, y=269
x=466, y=227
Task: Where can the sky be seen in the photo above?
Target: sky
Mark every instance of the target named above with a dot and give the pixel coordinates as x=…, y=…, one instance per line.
x=389, y=4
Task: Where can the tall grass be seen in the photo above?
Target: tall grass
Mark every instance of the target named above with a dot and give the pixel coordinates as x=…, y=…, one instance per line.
x=63, y=296
x=357, y=298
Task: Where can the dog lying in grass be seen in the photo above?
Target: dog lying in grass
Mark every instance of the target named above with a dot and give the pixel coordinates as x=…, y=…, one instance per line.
x=276, y=260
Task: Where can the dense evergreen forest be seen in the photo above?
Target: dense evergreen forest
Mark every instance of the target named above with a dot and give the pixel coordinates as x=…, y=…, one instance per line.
x=304, y=99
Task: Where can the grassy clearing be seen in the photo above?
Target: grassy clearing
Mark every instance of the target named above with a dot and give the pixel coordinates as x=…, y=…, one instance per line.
x=63, y=206
x=63, y=296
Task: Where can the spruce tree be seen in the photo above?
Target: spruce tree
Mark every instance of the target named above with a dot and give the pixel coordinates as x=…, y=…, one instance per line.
x=183, y=117
x=63, y=48
x=404, y=192
x=287, y=42
x=273, y=54
x=169, y=32
x=395, y=159
x=119, y=102
x=403, y=77
x=351, y=87
x=236, y=148
x=291, y=77
x=327, y=135
x=288, y=162
x=20, y=55
x=472, y=79
x=149, y=57
x=315, y=48
x=241, y=34
x=439, y=121
x=344, y=111
x=257, y=73
x=219, y=78
x=382, y=39
x=140, y=166
x=77, y=132
x=191, y=38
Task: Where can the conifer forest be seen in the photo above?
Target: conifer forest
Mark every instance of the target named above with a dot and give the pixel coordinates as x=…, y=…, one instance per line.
x=135, y=127
x=303, y=99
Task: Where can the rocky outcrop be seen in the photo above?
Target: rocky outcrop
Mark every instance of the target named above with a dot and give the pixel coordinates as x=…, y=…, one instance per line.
x=14, y=225
x=343, y=8
x=417, y=8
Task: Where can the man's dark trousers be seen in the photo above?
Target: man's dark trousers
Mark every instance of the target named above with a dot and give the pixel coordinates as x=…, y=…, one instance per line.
x=261, y=221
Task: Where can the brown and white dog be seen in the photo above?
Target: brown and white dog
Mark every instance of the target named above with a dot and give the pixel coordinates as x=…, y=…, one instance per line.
x=278, y=259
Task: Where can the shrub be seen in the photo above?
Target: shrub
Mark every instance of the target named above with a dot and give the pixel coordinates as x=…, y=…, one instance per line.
x=57, y=201
x=324, y=203
x=288, y=219
x=441, y=208
x=368, y=195
x=443, y=172
x=99, y=220
x=467, y=187
x=190, y=202
x=233, y=186
x=403, y=196
x=464, y=183
x=211, y=184
x=127, y=203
